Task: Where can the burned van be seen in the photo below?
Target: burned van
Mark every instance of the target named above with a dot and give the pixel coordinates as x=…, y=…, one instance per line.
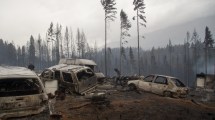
x=21, y=94
x=72, y=78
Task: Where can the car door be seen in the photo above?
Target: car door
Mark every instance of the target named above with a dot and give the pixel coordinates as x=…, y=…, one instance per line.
x=87, y=79
x=159, y=85
x=67, y=79
x=51, y=85
x=145, y=84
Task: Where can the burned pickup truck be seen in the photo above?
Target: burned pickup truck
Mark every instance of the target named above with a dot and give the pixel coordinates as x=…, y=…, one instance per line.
x=22, y=94
x=69, y=78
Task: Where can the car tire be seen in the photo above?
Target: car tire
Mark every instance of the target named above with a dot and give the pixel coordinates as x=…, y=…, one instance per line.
x=132, y=87
x=167, y=94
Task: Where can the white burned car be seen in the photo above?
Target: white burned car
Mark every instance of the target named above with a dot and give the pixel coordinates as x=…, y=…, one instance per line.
x=160, y=84
x=69, y=78
x=21, y=94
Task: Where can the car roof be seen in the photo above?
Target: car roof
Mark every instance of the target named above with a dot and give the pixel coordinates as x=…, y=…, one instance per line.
x=163, y=75
x=72, y=61
x=65, y=67
x=15, y=71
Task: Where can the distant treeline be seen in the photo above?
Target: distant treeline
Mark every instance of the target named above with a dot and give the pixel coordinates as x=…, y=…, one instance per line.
x=183, y=61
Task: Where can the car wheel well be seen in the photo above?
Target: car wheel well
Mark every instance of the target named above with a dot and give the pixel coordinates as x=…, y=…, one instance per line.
x=167, y=94
x=132, y=86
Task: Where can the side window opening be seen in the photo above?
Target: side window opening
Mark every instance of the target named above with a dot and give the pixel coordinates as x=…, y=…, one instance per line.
x=149, y=78
x=57, y=75
x=178, y=83
x=161, y=80
x=19, y=87
x=85, y=74
x=52, y=75
x=67, y=77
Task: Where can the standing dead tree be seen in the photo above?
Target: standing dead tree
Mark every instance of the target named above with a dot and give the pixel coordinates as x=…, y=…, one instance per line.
x=139, y=6
x=110, y=12
x=124, y=27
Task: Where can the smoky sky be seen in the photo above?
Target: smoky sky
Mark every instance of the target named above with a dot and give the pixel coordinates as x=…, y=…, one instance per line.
x=21, y=18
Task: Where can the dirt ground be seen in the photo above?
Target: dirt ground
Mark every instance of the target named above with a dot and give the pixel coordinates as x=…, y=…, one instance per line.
x=131, y=105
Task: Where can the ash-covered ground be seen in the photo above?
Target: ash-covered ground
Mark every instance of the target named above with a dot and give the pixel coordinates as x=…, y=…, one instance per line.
x=134, y=105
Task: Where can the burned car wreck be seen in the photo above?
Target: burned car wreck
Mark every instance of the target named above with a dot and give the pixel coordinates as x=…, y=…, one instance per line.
x=69, y=78
x=160, y=84
x=21, y=93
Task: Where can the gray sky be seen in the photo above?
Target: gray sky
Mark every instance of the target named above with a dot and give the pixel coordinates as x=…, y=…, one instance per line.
x=21, y=18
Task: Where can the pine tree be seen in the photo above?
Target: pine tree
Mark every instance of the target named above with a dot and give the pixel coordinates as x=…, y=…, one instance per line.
x=195, y=38
x=139, y=6
x=23, y=56
x=110, y=12
x=66, y=42
x=11, y=56
x=19, y=56
x=39, y=48
x=132, y=60
x=83, y=44
x=208, y=38
x=78, y=42
x=2, y=51
x=208, y=44
x=31, y=51
x=170, y=48
x=50, y=38
x=58, y=37
x=73, y=51
x=124, y=27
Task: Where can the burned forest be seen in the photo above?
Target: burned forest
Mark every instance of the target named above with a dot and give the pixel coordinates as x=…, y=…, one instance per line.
x=107, y=60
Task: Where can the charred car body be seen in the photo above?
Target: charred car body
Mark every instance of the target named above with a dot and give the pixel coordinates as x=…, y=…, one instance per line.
x=21, y=93
x=160, y=84
x=71, y=78
x=80, y=62
x=84, y=62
